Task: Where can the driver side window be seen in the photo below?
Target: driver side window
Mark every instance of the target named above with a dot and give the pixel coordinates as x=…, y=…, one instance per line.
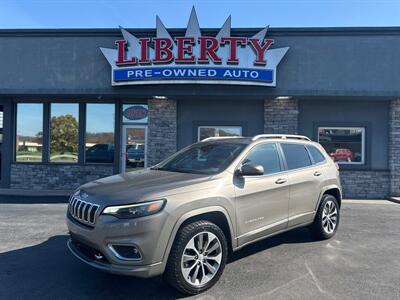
x=265, y=155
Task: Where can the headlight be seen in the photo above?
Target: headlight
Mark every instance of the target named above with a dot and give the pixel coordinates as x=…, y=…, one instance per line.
x=135, y=210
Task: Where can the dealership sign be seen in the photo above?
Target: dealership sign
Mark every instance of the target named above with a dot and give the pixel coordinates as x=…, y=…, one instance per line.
x=194, y=58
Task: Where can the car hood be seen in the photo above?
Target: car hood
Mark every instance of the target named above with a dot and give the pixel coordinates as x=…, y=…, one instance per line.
x=141, y=186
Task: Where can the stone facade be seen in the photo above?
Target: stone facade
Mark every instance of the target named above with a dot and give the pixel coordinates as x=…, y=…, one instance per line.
x=55, y=177
x=162, y=130
x=394, y=147
x=365, y=184
x=281, y=116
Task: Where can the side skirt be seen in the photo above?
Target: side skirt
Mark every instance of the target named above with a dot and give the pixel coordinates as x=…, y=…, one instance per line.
x=271, y=235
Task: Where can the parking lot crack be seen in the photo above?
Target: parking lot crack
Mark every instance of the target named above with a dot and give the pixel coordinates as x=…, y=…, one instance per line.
x=315, y=279
x=286, y=284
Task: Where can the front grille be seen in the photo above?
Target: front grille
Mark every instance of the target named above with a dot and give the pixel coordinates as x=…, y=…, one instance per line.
x=82, y=211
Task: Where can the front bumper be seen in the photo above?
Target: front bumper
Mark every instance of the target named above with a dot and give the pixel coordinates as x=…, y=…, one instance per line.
x=137, y=271
x=147, y=234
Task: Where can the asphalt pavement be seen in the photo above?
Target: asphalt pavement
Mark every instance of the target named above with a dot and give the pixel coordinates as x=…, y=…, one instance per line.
x=361, y=262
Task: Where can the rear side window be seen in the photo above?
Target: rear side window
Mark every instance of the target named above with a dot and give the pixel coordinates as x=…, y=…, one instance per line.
x=296, y=156
x=265, y=155
x=316, y=154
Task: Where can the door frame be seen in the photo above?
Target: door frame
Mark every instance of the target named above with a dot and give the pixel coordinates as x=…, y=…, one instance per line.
x=123, y=145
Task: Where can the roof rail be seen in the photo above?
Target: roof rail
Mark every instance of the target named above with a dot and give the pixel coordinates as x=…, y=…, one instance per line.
x=220, y=138
x=280, y=136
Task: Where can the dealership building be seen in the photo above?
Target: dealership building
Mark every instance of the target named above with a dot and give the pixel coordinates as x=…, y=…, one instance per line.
x=82, y=104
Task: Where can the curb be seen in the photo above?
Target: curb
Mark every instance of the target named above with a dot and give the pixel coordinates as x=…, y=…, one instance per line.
x=395, y=199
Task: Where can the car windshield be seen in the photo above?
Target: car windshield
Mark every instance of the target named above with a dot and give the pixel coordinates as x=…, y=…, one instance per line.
x=203, y=158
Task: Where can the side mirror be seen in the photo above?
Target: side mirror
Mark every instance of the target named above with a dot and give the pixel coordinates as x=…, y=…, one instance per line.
x=250, y=170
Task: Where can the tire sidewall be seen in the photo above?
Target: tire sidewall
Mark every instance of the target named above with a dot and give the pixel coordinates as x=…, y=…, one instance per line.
x=318, y=227
x=210, y=227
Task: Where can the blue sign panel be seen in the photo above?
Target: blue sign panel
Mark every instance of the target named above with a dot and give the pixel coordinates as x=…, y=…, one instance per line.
x=204, y=73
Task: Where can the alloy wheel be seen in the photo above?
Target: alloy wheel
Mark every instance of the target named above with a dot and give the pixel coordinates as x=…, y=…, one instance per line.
x=329, y=217
x=201, y=258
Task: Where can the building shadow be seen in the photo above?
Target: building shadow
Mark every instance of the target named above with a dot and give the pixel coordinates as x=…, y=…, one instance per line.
x=49, y=271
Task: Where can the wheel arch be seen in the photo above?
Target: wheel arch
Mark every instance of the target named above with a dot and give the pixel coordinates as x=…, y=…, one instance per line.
x=215, y=214
x=333, y=190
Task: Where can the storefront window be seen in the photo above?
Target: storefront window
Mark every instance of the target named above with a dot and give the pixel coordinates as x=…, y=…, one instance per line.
x=134, y=113
x=64, y=132
x=99, y=139
x=344, y=144
x=29, y=137
x=216, y=131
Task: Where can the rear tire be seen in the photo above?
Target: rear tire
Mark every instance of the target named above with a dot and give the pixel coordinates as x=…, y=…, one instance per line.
x=327, y=219
x=197, y=258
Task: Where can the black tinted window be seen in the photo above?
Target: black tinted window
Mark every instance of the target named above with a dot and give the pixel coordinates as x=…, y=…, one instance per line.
x=316, y=154
x=296, y=156
x=265, y=155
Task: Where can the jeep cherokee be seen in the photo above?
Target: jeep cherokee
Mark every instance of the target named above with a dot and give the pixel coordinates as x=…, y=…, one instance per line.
x=183, y=216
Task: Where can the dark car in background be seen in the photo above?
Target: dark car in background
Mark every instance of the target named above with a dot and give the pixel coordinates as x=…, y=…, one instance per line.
x=135, y=155
x=100, y=153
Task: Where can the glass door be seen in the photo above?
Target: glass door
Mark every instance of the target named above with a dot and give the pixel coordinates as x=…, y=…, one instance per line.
x=133, y=148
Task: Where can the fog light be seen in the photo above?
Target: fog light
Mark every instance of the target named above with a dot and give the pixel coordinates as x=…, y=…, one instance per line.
x=126, y=252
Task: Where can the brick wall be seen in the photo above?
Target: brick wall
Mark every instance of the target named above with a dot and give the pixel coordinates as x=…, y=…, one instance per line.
x=394, y=147
x=281, y=116
x=162, y=130
x=365, y=184
x=55, y=177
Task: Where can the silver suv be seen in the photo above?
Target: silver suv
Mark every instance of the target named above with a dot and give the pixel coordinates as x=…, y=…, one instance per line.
x=183, y=217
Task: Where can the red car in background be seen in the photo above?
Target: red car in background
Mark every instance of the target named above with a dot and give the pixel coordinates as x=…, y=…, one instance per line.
x=342, y=155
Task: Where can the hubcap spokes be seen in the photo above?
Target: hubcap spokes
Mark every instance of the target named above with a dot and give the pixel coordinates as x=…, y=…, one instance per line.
x=201, y=258
x=329, y=217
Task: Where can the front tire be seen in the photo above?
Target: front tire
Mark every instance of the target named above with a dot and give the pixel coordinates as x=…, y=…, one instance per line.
x=327, y=218
x=197, y=258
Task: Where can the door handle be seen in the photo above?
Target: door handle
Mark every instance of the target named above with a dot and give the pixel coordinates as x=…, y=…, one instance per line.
x=280, y=181
x=316, y=173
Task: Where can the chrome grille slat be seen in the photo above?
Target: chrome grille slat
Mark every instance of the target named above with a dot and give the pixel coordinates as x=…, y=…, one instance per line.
x=72, y=205
x=83, y=211
x=94, y=214
x=75, y=206
x=78, y=211
x=88, y=213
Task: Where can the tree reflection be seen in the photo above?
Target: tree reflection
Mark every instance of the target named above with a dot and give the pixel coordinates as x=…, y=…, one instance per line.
x=64, y=138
